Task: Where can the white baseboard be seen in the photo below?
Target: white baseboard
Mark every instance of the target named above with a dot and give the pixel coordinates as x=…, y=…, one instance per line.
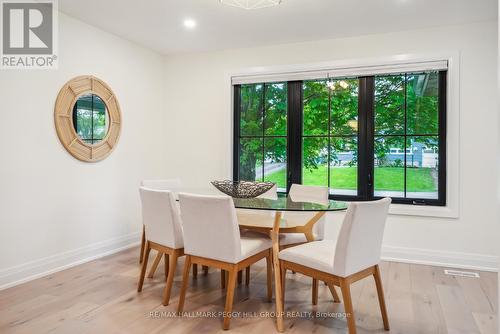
x=42, y=267
x=12, y=276
x=440, y=258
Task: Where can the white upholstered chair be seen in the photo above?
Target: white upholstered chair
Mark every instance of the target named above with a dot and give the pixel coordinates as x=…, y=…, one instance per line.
x=298, y=193
x=311, y=194
x=212, y=238
x=301, y=193
x=252, y=215
x=167, y=184
x=173, y=185
x=353, y=256
x=162, y=221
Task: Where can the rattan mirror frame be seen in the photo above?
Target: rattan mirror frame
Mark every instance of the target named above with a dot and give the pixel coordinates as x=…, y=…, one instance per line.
x=63, y=118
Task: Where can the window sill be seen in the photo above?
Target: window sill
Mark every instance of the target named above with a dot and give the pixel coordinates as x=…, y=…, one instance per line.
x=423, y=211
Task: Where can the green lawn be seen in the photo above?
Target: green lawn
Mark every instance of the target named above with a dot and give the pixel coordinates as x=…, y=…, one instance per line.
x=386, y=178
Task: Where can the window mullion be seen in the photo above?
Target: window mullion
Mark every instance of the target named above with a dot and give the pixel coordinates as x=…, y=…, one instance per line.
x=294, y=133
x=263, y=112
x=366, y=137
x=237, y=132
x=329, y=134
x=405, y=131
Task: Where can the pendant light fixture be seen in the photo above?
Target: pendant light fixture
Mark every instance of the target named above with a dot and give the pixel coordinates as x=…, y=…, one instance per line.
x=251, y=4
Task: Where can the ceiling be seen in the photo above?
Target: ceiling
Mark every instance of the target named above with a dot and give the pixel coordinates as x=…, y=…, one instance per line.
x=158, y=24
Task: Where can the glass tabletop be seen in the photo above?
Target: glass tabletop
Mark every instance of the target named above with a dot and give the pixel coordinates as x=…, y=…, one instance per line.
x=282, y=203
x=286, y=203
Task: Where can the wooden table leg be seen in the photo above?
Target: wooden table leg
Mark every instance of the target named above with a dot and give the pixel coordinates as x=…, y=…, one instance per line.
x=277, y=273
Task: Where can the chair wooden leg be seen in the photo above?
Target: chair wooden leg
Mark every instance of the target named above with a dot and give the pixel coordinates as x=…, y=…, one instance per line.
x=155, y=265
x=195, y=271
x=185, y=279
x=335, y=296
x=170, y=279
x=381, y=299
x=205, y=270
x=222, y=279
x=229, y=297
x=247, y=276
x=144, y=266
x=167, y=266
x=346, y=294
x=143, y=244
x=240, y=276
x=315, y=292
x=283, y=281
x=269, y=267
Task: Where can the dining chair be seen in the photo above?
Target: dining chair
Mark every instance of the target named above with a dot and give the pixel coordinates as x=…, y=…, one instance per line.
x=212, y=238
x=163, y=227
x=311, y=194
x=248, y=214
x=353, y=256
x=166, y=184
x=299, y=193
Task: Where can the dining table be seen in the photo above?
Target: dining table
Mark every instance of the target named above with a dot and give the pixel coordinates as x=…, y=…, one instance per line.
x=268, y=215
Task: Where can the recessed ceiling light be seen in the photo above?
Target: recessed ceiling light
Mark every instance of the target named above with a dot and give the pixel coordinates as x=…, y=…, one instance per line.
x=189, y=23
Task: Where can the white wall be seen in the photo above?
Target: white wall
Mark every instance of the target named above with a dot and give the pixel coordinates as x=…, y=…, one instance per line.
x=199, y=150
x=55, y=210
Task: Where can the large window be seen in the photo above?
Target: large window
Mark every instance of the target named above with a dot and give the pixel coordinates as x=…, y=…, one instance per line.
x=363, y=137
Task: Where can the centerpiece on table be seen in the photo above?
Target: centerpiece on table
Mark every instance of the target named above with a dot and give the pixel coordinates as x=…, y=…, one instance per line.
x=243, y=189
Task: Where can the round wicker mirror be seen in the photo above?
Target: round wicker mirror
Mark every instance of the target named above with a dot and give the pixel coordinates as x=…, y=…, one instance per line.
x=87, y=118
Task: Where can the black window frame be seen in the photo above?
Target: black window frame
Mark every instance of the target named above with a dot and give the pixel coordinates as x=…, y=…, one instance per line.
x=366, y=140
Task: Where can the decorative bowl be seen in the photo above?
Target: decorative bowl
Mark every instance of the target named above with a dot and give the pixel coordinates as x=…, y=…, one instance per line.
x=243, y=189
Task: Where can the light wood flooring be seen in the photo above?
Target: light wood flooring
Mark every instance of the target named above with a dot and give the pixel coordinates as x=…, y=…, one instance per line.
x=100, y=297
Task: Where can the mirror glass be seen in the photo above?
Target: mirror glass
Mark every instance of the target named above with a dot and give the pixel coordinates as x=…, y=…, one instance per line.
x=90, y=118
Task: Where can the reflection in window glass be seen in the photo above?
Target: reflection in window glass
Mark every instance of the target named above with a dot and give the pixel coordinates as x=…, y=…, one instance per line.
x=422, y=103
x=390, y=105
x=251, y=110
x=263, y=133
x=90, y=118
x=315, y=161
x=330, y=129
x=251, y=159
x=389, y=166
x=315, y=105
x=344, y=107
x=344, y=166
x=422, y=167
x=276, y=109
x=275, y=161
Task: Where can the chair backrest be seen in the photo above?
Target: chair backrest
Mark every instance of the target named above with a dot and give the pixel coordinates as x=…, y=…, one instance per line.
x=359, y=242
x=210, y=227
x=313, y=194
x=167, y=184
x=270, y=194
x=161, y=217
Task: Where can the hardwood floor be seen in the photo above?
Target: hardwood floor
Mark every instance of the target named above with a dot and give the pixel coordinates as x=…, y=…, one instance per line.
x=101, y=297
